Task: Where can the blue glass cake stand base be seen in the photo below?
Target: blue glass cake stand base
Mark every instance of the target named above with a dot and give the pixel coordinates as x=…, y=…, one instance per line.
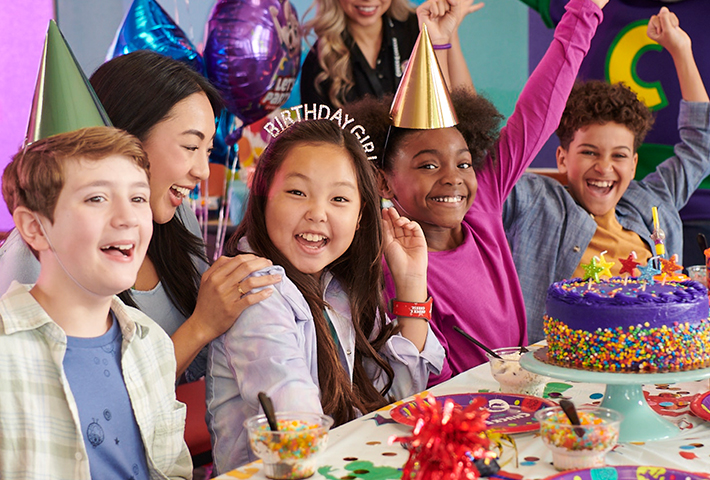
x=623, y=394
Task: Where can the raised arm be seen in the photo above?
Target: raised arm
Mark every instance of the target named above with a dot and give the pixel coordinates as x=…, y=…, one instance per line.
x=406, y=255
x=442, y=18
x=679, y=176
x=664, y=28
x=541, y=103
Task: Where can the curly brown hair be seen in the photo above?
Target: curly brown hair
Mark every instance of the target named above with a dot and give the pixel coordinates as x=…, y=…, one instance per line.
x=479, y=124
x=598, y=102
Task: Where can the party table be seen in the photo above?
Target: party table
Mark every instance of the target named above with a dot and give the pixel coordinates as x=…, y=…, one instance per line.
x=359, y=450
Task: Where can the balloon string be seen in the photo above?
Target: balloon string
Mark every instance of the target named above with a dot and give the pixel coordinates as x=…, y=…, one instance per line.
x=220, y=221
x=204, y=204
x=222, y=234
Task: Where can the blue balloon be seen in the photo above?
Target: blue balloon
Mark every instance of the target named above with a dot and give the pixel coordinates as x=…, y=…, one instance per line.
x=148, y=27
x=224, y=150
x=252, y=54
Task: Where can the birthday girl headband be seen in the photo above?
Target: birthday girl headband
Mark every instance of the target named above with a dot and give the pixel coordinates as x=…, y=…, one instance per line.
x=321, y=112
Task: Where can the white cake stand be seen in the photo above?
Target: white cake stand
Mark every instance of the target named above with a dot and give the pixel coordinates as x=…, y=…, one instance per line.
x=623, y=394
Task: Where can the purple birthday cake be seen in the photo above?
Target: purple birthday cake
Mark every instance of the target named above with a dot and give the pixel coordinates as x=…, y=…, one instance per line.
x=623, y=325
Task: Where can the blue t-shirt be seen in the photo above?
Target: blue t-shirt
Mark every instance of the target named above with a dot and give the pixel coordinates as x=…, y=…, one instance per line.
x=111, y=435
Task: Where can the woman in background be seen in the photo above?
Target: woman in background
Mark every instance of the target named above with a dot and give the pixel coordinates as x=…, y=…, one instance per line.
x=362, y=46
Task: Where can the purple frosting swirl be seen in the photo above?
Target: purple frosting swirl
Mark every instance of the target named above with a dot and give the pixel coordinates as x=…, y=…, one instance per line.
x=610, y=303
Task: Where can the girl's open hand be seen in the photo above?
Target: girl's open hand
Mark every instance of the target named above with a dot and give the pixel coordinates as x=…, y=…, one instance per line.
x=406, y=254
x=664, y=28
x=443, y=17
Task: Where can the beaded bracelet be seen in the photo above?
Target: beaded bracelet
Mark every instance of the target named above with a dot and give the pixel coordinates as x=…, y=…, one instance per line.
x=445, y=46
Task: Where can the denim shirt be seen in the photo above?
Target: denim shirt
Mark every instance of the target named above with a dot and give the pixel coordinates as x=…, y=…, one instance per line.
x=548, y=231
x=272, y=348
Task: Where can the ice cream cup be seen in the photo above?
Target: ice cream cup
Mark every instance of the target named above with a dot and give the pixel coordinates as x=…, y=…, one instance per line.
x=511, y=376
x=582, y=446
x=292, y=451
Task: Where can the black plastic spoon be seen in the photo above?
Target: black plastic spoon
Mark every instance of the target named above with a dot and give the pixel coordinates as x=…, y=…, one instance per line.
x=702, y=243
x=477, y=343
x=571, y=412
x=268, y=408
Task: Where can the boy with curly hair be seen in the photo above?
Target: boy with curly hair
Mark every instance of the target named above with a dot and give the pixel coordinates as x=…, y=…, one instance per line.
x=553, y=230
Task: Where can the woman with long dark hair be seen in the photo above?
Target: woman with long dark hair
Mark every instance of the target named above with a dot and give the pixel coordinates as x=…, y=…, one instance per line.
x=171, y=109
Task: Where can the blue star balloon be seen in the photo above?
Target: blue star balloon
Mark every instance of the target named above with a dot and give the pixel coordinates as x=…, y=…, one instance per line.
x=148, y=27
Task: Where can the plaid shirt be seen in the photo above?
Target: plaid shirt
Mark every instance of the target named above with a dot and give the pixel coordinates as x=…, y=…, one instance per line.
x=40, y=431
x=549, y=232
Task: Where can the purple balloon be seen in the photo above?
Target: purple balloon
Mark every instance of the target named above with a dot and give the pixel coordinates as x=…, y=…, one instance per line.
x=253, y=54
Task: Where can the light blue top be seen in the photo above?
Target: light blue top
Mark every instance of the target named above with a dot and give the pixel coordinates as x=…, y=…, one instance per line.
x=272, y=348
x=111, y=434
x=549, y=232
x=18, y=263
x=41, y=435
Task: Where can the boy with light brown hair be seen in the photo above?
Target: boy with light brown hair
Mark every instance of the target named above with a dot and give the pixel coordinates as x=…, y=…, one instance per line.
x=92, y=380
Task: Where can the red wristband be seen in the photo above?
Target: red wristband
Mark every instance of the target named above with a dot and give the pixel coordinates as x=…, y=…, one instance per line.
x=412, y=309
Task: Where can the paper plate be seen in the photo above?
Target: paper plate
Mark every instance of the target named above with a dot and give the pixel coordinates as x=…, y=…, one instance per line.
x=509, y=412
x=631, y=472
x=700, y=406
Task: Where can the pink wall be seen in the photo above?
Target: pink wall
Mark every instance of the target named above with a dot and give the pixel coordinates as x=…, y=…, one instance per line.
x=22, y=32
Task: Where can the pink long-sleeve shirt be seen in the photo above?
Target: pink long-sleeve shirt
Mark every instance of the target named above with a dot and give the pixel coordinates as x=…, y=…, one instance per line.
x=475, y=286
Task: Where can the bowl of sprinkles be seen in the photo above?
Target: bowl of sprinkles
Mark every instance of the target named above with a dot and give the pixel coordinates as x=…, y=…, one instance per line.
x=579, y=446
x=292, y=451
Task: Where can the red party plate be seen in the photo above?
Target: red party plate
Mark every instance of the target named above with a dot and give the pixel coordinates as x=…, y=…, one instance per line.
x=629, y=472
x=700, y=406
x=509, y=412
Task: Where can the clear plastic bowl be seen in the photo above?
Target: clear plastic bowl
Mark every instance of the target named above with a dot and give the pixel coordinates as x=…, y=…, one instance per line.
x=511, y=376
x=599, y=434
x=291, y=452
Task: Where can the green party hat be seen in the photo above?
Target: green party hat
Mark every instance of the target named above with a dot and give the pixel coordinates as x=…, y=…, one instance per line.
x=64, y=100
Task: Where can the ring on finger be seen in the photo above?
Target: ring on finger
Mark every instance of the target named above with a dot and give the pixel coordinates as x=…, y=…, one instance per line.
x=239, y=289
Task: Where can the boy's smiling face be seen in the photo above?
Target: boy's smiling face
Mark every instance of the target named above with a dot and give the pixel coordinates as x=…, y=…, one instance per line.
x=600, y=164
x=432, y=180
x=102, y=225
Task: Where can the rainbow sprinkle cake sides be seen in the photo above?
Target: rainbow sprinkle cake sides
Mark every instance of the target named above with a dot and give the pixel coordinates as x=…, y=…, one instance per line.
x=623, y=325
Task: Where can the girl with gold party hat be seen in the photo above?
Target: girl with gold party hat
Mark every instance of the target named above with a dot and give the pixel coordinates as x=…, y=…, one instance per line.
x=444, y=164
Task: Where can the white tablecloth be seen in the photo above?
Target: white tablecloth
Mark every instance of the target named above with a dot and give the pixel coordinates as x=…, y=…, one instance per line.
x=360, y=449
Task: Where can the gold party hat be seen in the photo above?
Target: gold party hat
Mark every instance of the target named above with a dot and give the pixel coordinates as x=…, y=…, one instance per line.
x=422, y=100
x=64, y=100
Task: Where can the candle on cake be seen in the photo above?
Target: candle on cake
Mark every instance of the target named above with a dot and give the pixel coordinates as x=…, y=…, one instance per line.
x=605, y=266
x=658, y=236
x=628, y=265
